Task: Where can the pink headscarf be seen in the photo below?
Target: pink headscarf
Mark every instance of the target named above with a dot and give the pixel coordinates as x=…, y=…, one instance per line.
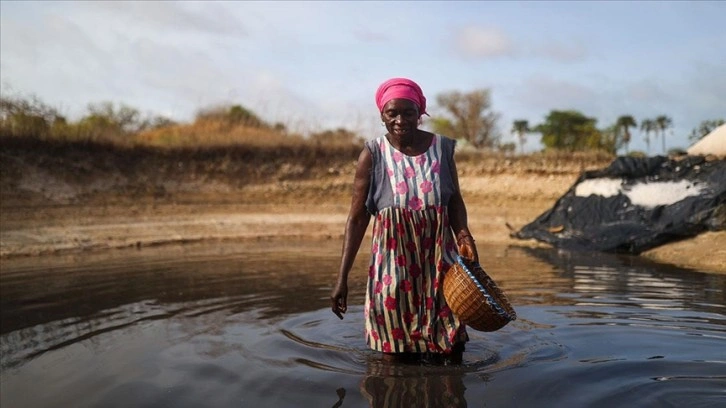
x=402, y=88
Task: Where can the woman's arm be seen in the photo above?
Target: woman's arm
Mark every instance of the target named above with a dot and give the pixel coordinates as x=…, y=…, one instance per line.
x=355, y=229
x=459, y=221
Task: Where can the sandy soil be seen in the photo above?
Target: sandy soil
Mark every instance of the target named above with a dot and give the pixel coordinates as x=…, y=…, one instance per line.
x=45, y=218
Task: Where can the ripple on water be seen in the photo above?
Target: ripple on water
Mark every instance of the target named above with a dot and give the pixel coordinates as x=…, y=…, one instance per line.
x=237, y=331
x=319, y=341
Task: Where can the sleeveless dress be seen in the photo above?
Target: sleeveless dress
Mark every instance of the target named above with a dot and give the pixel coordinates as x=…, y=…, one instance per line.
x=412, y=247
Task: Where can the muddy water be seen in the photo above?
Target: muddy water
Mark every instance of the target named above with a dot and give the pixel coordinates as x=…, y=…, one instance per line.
x=249, y=325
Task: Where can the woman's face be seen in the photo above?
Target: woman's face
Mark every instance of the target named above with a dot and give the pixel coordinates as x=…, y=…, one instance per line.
x=400, y=117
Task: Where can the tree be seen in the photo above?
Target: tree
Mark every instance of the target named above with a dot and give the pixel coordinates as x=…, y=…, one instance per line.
x=521, y=128
x=157, y=122
x=623, y=125
x=611, y=139
x=121, y=119
x=242, y=116
x=663, y=123
x=27, y=117
x=443, y=126
x=571, y=131
x=106, y=121
x=704, y=128
x=471, y=117
x=235, y=115
x=647, y=126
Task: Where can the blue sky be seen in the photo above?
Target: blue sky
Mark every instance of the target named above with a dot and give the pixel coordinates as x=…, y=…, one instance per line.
x=316, y=65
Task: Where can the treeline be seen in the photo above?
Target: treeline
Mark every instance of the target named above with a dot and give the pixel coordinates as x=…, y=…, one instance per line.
x=571, y=130
x=469, y=115
x=123, y=125
x=466, y=115
x=33, y=119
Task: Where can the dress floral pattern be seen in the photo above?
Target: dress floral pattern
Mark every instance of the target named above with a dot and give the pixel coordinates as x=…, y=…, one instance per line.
x=412, y=247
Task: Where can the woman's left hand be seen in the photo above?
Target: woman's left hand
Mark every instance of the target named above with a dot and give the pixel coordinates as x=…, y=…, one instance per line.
x=467, y=248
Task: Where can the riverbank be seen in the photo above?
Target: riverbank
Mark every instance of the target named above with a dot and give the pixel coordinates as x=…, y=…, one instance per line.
x=118, y=223
x=71, y=202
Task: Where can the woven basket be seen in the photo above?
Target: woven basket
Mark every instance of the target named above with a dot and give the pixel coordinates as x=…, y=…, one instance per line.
x=475, y=298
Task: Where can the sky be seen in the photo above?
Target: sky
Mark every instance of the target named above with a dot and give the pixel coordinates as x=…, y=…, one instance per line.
x=316, y=65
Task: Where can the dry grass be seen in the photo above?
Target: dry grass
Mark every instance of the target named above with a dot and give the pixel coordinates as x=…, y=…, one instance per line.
x=214, y=133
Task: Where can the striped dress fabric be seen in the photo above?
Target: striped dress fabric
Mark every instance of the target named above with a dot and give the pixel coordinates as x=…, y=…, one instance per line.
x=412, y=246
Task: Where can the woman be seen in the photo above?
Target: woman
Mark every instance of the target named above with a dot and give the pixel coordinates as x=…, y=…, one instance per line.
x=408, y=180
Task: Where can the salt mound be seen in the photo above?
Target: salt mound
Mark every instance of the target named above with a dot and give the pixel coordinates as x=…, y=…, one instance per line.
x=650, y=195
x=713, y=143
x=647, y=195
x=605, y=187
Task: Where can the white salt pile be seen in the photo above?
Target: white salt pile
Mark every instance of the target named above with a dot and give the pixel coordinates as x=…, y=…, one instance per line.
x=606, y=187
x=713, y=143
x=662, y=193
x=647, y=195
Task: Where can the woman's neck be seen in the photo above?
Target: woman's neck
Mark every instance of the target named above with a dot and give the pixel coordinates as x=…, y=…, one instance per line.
x=411, y=145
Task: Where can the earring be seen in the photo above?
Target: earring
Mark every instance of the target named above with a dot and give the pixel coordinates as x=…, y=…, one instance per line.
x=383, y=124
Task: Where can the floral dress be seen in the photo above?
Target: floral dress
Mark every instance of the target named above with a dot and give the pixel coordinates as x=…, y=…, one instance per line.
x=412, y=247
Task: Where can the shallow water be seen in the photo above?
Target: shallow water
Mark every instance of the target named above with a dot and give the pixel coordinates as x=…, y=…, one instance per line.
x=249, y=325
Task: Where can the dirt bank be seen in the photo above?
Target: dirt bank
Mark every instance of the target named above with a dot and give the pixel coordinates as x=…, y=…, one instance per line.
x=67, y=199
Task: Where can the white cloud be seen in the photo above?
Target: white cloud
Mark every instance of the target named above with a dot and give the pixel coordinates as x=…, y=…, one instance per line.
x=477, y=42
x=481, y=42
x=153, y=56
x=209, y=18
x=317, y=64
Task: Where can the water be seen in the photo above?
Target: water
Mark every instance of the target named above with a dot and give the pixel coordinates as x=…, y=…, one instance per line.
x=249, y=325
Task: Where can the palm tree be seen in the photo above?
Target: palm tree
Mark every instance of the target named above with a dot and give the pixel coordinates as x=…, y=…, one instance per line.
x=521, y=128
x=662, y=123
x=623, y=124
x=647, y=126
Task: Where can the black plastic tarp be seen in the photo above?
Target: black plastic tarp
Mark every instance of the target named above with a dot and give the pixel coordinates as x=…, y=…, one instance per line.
x=636, y=204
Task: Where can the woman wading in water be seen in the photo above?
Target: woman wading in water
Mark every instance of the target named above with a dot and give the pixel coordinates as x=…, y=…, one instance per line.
x=407, y=180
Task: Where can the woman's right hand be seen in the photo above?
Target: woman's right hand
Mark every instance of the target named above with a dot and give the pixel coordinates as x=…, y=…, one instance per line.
x=355, y=229
x=339, y=299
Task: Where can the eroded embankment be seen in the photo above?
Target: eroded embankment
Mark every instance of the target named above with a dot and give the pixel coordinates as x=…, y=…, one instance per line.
x=60, y=197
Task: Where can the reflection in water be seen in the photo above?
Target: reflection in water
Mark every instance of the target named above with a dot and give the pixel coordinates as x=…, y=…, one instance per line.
x=46, y=308
x=250, y=325
x=625, y=279
x=398, y=385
